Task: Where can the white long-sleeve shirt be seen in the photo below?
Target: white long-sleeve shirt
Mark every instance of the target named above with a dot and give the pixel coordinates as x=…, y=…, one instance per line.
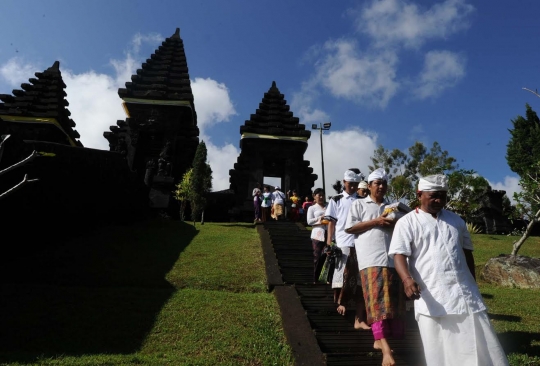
x=313, y=218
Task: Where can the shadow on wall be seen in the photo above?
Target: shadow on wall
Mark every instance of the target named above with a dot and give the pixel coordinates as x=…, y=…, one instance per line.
x=90, y=294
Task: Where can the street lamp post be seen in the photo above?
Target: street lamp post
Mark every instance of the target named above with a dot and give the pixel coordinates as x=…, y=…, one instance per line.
x=322, y=127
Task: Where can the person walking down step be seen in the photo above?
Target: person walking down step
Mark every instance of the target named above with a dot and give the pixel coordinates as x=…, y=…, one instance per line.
x=345, y=281
x=257, y=202
x=315, y=214
x=266, y=204
x=383, y=293
x=278, y=204
x=432, y=251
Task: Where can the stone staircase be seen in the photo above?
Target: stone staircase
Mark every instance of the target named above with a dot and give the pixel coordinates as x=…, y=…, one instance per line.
x=317, y=334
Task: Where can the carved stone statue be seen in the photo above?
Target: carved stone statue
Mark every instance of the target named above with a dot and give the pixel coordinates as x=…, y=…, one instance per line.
x=164, y=164
x=150, y=171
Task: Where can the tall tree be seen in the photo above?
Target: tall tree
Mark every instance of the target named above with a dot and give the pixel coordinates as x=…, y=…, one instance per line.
x=201, y=182
x=465, y=187
x=404, y=169
x=338, y=186
x=523, y=157
x=523, y=149
x=183, y=192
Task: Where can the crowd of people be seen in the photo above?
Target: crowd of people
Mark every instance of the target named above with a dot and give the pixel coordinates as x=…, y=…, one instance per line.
x=384, y=260
x=277, y=205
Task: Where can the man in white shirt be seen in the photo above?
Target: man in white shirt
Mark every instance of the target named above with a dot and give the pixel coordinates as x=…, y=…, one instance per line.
x=278, y=204
x=345, y=281
x=362, y=191
x=381, y=286
x=432, y=252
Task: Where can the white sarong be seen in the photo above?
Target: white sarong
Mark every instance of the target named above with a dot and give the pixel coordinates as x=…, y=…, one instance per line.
x=460, y=340
x=337, y=280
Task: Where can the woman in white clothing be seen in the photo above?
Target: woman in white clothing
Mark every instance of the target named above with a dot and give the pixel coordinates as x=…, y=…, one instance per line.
x=266, y=204
x=315, y=214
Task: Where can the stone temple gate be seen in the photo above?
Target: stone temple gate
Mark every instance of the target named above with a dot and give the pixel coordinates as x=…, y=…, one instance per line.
x=272, y=144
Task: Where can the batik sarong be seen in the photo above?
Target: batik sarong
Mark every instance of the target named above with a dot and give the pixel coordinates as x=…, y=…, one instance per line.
x=318, y=247
x=383, y=294
x=278, y=211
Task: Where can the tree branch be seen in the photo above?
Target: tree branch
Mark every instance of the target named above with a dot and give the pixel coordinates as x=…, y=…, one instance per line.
x=20, y=163
x=18, y=186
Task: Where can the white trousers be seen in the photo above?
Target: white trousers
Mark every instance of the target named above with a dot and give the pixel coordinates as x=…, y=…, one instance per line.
x=460, y=340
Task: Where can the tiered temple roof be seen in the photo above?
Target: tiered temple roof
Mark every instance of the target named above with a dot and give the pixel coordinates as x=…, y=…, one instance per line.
x=42, y=103
x=273, y=117
x=164, y=76
x=161, y=118
x=273, y=143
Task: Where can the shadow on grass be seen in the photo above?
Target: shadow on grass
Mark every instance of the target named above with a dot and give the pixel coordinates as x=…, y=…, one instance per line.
x=95, y=293
x=520, y=342
x=508, y=318
x=487, y=296
x=243, y=226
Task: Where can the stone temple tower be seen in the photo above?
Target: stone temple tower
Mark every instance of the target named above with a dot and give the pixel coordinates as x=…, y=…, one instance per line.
x=272, y=144
x=160, y=134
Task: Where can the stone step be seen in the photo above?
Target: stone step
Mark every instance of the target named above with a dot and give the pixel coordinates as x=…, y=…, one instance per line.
x=339, y=342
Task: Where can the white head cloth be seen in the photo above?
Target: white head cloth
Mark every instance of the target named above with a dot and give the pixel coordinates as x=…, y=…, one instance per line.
x=363, y=185
x=436, y=182
x=377, y=174
x=351, y=176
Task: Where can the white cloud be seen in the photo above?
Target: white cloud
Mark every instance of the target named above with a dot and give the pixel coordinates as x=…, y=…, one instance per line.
x=442, y=70
x=139, y=39
x=93, y=98
x=221, y=160
x=417, y=133
x=397, y=22
x=94, y=105
x=124, y=69
x=510, y=185
x=214, y=105
x=342, y=150
x=369, y=75
x=365, y=78
x=17, y=71
x=212, y=102
x=302, y=103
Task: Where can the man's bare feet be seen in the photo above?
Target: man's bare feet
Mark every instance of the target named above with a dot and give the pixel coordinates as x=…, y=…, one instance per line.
x=388, y=360
x=377, y=345
x=341, y=310
x=360, y=324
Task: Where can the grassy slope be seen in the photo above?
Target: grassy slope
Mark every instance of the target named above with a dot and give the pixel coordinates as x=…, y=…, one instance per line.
x=209, y=307
x=514, y=312
x=179, y=296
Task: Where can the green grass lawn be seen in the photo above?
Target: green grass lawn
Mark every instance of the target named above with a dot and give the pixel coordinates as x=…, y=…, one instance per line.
x=154, y=293
x=164, y=293
x=515, y=313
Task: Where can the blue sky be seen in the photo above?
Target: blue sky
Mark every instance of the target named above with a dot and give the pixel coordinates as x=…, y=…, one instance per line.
x=387, y=72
